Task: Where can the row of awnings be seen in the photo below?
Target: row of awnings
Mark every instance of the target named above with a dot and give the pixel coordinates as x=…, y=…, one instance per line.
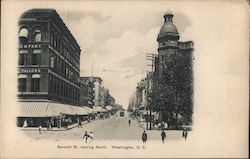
x=48, y=109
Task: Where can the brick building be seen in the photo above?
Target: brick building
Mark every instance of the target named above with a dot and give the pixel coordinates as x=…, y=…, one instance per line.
x=49, y=58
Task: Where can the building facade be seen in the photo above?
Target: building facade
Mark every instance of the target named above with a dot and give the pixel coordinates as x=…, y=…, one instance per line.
x=95, y=88
x=87, y=92
x=49, y=58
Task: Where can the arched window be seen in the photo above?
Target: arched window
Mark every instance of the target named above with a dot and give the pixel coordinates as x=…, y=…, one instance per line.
x=23, y=36
x=37, y=35
x=24, y=33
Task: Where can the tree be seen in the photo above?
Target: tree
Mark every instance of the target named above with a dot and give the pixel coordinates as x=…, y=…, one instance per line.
x=174, y=93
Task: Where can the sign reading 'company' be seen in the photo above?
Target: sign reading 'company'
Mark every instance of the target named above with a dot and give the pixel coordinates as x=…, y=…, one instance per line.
x=30, y=46
x=29, y=70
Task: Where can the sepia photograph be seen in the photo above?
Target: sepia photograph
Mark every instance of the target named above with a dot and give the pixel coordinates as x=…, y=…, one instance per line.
x=124, y=79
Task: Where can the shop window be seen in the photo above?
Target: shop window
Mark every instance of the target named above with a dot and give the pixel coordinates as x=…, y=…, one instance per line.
x=35, y=83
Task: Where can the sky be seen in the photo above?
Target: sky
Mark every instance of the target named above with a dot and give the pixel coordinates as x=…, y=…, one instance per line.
x=116, y=42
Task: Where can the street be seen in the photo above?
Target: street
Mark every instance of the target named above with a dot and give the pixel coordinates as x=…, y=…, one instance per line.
x=114, y=128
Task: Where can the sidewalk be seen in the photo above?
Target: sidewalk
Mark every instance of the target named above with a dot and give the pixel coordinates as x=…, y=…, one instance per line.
x=54, y=128
x=143, y=124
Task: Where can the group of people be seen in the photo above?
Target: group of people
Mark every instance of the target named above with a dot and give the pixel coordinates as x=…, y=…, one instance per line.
x=145, y=136
x=88, y=137
x=163, y=135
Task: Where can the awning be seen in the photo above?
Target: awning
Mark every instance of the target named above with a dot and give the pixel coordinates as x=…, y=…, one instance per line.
x=89, y=110
x=47, y=109
x=79, y=110
x=99, y=109
x=36, y=109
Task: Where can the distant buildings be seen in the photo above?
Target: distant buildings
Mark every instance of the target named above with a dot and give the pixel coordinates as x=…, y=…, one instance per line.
x=93, y=93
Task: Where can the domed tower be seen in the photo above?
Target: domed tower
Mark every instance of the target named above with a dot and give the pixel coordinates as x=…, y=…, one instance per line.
x=167, y=39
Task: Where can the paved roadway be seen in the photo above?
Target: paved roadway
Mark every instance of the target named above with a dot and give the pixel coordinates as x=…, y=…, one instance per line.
x=114, y=128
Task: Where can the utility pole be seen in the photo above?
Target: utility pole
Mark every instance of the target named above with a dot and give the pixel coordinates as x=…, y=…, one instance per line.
x=150, y=57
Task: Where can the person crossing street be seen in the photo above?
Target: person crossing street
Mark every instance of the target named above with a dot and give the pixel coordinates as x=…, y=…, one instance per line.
x=129, y=122
x=144, y=137
x=163, y=135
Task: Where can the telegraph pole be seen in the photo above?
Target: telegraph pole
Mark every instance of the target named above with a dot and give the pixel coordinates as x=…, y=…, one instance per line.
x=150, y=57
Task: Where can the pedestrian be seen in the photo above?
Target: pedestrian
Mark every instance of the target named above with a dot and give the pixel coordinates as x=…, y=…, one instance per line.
x=86, y=136
x=183, y=133
x=186, y=133
x=163, y=135
x=40, y=129
x=91, y=136
x=129, y=122
x=79, y=124
x=144, y=137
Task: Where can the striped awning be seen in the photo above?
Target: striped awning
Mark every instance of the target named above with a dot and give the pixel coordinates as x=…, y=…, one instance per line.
x=37, y=109
x=47, y=109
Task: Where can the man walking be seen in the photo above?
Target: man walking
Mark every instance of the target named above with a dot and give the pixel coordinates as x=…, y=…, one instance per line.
x=91, y=136
x=129, y=122
x=144, y=137
x=163, y=135
x=86, y=136
x=186, y=133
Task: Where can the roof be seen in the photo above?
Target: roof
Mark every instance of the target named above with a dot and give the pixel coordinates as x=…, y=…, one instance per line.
x=168, y=27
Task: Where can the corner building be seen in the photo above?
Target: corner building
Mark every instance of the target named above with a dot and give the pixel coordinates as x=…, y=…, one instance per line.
x=169, y=44
x=49, y=59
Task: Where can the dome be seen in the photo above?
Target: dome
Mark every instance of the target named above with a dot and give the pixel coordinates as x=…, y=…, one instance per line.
x=168, y=27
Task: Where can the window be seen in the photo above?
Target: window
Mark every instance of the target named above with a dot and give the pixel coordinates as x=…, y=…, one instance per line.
x=52, y=62
x=55, y=41
x=162, y=57
x=52, y=38
x=22, y=83
x=50, y=83
x=22, y=57
x=35, y=83
x=23, y=36
x=24, y=33
x=36, y=56
x=37, y=35
x=34, y=59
